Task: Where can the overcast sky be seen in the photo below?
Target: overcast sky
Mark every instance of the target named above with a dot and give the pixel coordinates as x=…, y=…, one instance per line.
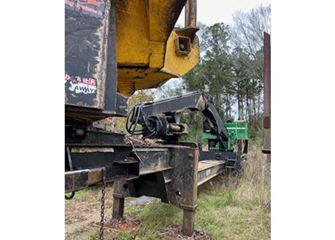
x=213, y=11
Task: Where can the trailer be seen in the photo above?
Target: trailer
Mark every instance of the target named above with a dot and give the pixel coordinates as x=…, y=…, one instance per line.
x=112, y=49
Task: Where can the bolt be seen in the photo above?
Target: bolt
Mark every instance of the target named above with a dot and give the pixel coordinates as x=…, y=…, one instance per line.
x=190, y=155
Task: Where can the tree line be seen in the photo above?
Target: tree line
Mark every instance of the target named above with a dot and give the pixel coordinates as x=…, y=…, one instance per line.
x=231, y=65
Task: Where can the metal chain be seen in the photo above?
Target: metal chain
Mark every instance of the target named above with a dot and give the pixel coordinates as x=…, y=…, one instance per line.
x=102, y=213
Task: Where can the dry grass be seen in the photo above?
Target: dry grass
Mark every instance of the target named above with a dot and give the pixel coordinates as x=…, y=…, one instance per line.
x=228, y=208
x=232, y=207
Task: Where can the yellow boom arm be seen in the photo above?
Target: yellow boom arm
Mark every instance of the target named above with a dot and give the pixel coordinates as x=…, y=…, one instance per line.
x=150, y=50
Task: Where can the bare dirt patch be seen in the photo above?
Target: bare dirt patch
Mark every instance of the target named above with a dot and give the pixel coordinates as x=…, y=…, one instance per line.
x=83, y=211
x=126, y=224
x=175, y=232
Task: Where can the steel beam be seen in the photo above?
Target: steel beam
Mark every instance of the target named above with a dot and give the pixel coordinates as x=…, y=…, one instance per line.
x=169, y=172
x=188, y=222
x=208, y=169
x=267, y=95
x=118, y=206
x=191, y=13
x=81, y=179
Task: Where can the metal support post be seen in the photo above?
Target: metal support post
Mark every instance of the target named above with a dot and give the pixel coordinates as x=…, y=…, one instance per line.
x=188, y=222
x=118, y=206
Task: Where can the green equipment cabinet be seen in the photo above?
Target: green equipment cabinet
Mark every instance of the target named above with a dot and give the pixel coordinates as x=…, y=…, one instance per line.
x=238, y=136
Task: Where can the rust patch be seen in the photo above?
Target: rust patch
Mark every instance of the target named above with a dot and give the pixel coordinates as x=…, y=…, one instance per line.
x=91, y=149
x=267, y=122
x=175, y=232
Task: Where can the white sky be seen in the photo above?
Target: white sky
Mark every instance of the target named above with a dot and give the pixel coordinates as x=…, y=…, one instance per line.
x=214, y=11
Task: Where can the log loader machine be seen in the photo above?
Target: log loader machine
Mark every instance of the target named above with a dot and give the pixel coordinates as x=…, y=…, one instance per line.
x=112, y=49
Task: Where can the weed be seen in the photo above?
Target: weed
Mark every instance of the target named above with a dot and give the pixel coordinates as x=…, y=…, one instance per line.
x=125, y=236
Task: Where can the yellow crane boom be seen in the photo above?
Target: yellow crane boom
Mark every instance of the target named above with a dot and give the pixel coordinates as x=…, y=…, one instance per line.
x=150, y=50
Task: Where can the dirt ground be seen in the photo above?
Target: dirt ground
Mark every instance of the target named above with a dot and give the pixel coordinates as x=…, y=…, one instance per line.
x=83, y=212
x=175, y=232
x=82, y=216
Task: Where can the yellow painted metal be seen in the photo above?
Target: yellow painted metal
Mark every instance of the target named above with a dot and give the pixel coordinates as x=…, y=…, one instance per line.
x=147, y=47
x=176, y=62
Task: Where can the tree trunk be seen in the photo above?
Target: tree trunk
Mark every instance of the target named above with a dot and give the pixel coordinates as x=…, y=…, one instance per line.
x=248, y=112
x=239, y=107
x=218, y=100
x=240, y=103
x=228, y=107
x=258, y=104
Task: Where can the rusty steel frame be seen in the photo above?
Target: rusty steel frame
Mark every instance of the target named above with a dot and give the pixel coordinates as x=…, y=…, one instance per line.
x=191, y=13
x=267, y=95
x=169, y=172
x=176, y=184
x=208, y=169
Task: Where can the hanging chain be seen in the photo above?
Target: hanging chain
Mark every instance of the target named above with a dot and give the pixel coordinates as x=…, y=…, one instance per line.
x=102, y=213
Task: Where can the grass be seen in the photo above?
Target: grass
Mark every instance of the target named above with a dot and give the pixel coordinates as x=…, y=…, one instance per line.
x=229, y=207
x=92, y=237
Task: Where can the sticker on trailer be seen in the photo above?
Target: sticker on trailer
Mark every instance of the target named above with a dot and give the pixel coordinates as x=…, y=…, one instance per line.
x=94, y=8
x=79, y=84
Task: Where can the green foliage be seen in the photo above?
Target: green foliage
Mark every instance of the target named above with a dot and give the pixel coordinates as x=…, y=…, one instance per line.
x=231, y=66
x=213, y=73
x=194, y=123
x=155, y=215
x=125, y=236
x=255, y=138
x=77, y=194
